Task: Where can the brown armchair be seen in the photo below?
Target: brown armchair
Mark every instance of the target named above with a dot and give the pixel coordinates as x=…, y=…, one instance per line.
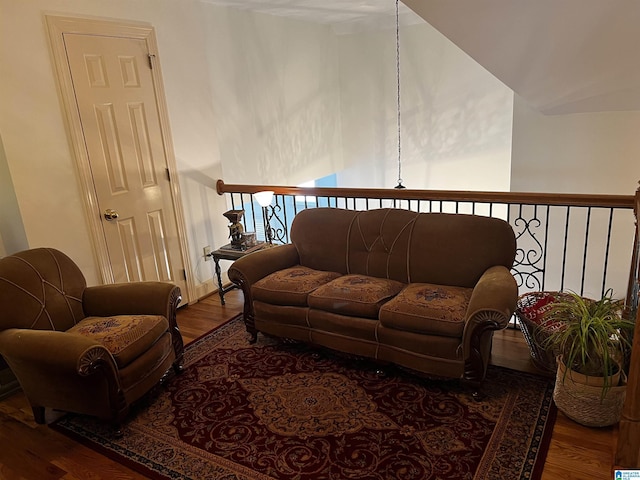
x=89, y=350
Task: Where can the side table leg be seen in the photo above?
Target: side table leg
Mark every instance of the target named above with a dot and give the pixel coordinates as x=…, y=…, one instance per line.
x=218, y=273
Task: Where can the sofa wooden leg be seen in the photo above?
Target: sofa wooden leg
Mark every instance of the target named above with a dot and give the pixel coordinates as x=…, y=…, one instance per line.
x=478, y=395
x=178, y=367
x=117, y=430
x=38, y=415
x=475, y=386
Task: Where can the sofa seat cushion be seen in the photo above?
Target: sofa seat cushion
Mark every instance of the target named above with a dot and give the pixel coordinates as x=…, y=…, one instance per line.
x=428, y=309
x=125, y=336
x=290, y=286
x=355, y=295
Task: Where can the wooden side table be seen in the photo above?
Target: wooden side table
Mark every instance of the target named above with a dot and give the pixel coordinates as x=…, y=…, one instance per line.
x=227, y=252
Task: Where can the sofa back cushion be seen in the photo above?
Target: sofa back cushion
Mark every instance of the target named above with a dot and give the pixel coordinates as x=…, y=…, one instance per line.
x=440, y=248
x=321, y=237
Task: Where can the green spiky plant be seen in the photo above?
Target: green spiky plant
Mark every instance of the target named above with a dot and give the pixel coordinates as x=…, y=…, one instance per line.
x=595, y=338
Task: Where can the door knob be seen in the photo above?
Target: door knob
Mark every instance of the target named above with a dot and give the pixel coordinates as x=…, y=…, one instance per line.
x=110, y=214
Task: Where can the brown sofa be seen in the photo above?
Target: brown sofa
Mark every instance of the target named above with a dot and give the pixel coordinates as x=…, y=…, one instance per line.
x=421, y=290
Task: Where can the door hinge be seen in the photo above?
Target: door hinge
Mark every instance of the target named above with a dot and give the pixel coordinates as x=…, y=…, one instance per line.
x=151, y=57
x=168, y=174
x=184, y=274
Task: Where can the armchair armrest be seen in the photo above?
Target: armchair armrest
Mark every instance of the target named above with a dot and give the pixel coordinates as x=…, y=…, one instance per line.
x=64, y=370
x=136, y=298
x=492, y=303
x=49, y=350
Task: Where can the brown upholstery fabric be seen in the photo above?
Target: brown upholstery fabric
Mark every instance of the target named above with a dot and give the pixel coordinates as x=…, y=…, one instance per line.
x=424, y=353
x=320, y=235
x=439, y=248
x=429, y=309
x=343, y=343
x=423, y=290
x=454, y=249
x=343, y=325
x=135, y=379
x=96, y=364
x=40, y=289
x=434, y=346
x=290, y=286
x=356, y=295
x=282, y=314
x=282, y=321
x=125, y=336
x=378, y=243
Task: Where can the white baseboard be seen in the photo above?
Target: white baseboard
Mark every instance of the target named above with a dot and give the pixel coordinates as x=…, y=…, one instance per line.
x=205, y=289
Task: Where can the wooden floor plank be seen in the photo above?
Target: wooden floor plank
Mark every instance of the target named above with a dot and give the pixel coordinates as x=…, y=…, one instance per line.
x=34, y=452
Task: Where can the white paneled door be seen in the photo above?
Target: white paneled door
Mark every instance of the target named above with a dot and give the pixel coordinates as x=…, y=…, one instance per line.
x=116, y=100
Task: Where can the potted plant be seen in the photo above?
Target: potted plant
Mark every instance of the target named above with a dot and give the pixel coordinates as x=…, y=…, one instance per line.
x=593, y=343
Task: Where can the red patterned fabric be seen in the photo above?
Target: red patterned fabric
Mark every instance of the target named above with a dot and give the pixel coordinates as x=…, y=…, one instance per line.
x=540, y=312
x=287, y=411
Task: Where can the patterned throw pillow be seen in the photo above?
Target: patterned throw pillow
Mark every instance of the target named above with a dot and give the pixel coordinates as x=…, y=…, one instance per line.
x=541, y=311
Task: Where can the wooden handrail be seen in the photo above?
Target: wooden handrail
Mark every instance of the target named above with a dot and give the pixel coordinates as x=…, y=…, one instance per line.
x=628, y=448
x=527, y=198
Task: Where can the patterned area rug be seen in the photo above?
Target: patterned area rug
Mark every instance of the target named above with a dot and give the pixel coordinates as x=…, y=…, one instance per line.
x=277, y=410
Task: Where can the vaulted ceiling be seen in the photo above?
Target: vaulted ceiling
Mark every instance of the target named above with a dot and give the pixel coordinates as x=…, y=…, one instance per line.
x=561, y=56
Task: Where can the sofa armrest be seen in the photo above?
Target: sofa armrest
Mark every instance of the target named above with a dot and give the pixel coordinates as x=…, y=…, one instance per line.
x=496, y=291
x=492, y=303
x=247, y=270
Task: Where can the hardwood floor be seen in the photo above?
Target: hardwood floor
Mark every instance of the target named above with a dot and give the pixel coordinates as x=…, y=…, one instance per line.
x=35, y=452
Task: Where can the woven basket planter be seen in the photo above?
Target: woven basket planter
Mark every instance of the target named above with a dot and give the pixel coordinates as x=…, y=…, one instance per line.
x=535, y=314
x=584, y=403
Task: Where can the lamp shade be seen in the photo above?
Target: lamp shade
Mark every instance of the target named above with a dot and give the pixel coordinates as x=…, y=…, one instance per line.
x=264, y=198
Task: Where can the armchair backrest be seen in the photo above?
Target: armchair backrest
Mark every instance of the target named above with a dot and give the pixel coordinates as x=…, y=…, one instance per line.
x=40, y=289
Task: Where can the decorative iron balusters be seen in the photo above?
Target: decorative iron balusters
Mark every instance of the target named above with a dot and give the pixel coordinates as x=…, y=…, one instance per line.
x=276, y=230
x=529, y=262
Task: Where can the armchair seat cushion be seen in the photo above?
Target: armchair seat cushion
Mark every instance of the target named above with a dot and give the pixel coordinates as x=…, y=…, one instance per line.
x=355, y=295
x=125, y=336
x=135, y=376
x=428, y=309
x=290, y=286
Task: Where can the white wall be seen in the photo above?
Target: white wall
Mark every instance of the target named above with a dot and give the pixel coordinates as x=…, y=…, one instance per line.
x=12, y=235
x=31, y=120
x=580, y=153
x=456, y=117
x=251, y=99
x=34, y=138
x=594, y=153
x=276, y=97
x=259, y=99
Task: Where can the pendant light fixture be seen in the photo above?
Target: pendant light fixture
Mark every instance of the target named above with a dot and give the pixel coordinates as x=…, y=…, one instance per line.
x=399, y=185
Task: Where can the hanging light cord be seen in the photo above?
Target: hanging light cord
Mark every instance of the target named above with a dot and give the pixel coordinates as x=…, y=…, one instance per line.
x=398, y=95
